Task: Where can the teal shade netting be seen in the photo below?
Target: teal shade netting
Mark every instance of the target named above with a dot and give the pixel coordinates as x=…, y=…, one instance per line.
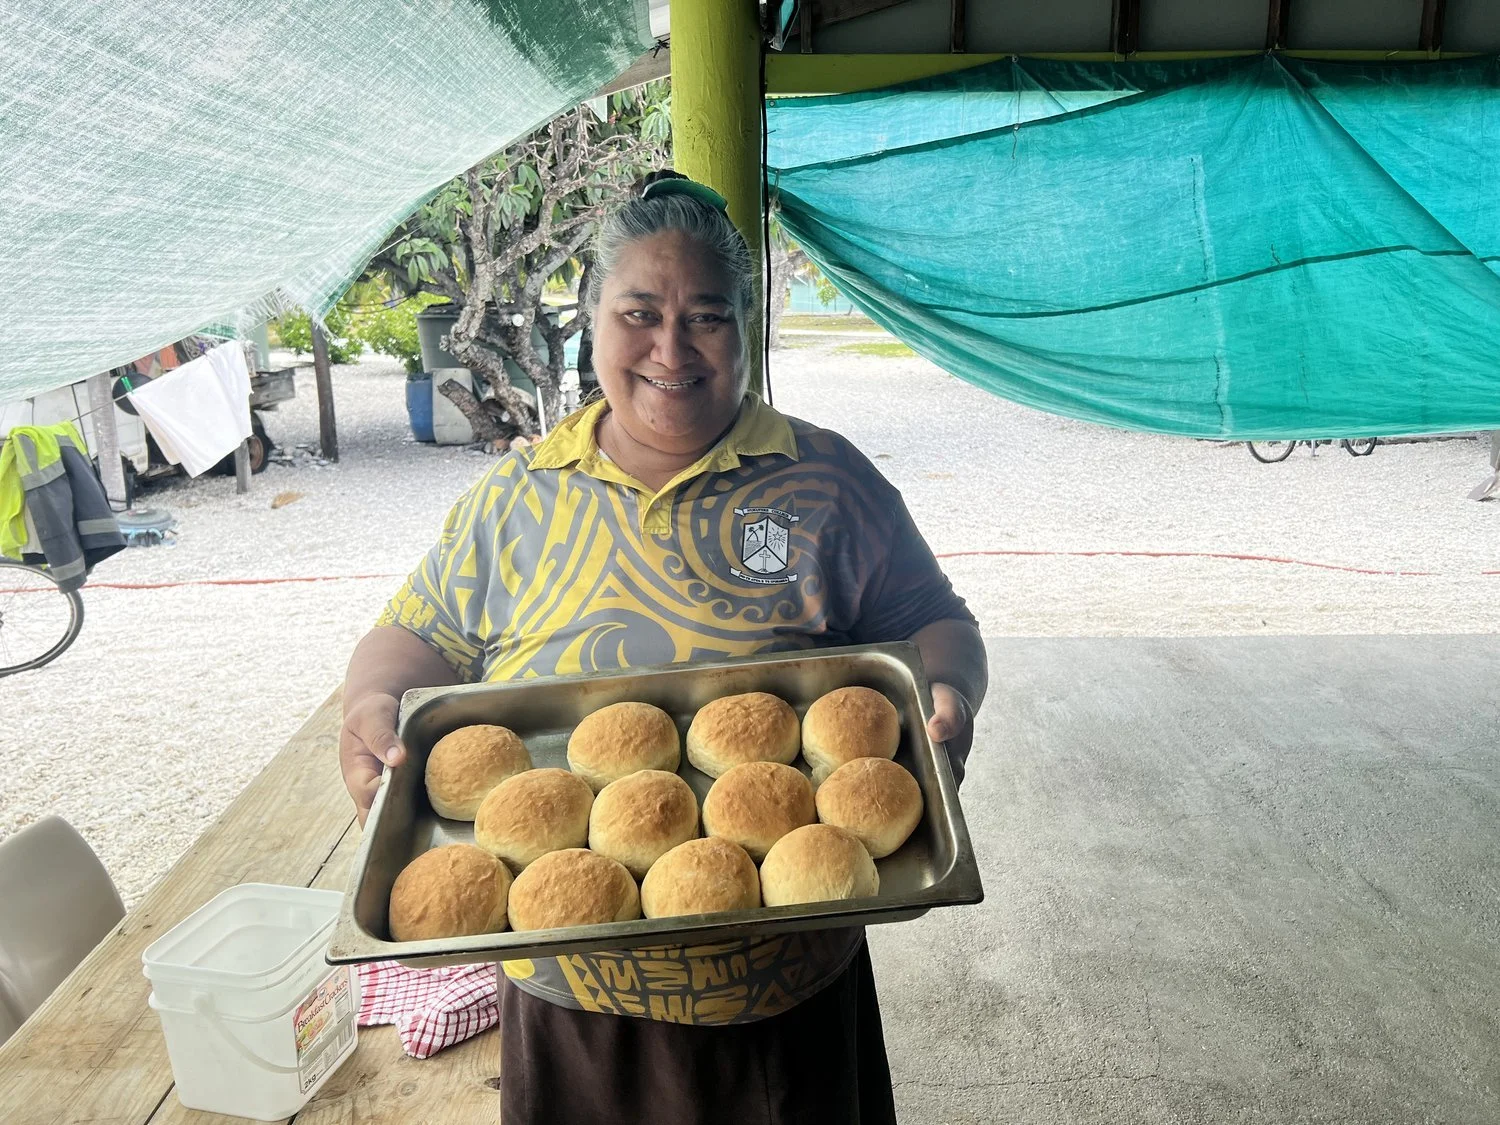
x=1233, y=248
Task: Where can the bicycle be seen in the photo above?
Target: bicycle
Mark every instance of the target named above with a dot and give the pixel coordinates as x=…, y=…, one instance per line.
x=34, y=612
x=1270, y=452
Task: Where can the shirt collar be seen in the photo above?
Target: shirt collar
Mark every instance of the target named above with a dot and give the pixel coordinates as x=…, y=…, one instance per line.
x=758, y=431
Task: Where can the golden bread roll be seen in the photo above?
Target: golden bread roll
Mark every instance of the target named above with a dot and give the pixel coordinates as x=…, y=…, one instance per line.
x=877, y=802
x=453, y=891
x=573, y=887
x=852, y=722
x=756, y=804
x=701, y=877
x=621, y=739
x=642, y=816
x=466, y=764
x=755, y=727
x=533, y=813
x=816, y=863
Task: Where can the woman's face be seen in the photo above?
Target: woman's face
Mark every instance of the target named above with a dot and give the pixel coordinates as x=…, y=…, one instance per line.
x=667, y=345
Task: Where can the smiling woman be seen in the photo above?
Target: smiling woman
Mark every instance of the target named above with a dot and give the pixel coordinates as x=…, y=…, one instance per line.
x=668, y=346
x=678, y=519
x=669, y=357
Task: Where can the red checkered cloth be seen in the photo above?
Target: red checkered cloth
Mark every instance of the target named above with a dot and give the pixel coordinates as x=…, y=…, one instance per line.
x=431, y=1008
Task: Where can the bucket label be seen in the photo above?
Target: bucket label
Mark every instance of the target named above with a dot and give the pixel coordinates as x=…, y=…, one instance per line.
x=324, y=1027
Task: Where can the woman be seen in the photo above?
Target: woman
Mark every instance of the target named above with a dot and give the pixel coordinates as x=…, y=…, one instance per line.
x=678, y=519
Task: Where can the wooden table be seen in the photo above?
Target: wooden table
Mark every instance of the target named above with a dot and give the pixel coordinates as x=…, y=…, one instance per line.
x=94, y=1051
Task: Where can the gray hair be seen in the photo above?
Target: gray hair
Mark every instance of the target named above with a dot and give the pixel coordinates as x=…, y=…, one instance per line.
x=710, y=227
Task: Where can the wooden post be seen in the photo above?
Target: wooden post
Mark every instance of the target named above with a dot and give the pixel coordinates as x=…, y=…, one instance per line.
x=242, y=468
x=106, y=438
x=1125, y=27
x=958, y=35
x=327, y=429
x=1277, y=17
x=1432, y=25
x=716, y=108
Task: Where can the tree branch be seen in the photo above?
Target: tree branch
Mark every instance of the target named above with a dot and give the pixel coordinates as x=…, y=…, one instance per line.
x=536, y=279
x=483, y=417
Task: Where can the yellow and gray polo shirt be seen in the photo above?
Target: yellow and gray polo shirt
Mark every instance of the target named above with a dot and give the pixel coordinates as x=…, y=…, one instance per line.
x=782, y=536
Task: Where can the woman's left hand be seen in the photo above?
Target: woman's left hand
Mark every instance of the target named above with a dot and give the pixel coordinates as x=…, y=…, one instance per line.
x=950, y=714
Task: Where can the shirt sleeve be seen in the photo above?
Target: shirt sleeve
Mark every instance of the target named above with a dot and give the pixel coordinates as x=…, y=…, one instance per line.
x=444, y=599
x=909, y=589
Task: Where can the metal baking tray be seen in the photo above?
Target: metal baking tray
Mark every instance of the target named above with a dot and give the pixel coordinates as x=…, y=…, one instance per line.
x=935, y=867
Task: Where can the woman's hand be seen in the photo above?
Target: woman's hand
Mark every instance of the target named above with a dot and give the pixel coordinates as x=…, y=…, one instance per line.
x=950, y=714
x=368, y=744
x=953, y=654
x=387, y=662
x=952, y=724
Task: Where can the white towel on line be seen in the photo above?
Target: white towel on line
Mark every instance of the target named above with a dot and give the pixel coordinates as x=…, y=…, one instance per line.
x=200, y=412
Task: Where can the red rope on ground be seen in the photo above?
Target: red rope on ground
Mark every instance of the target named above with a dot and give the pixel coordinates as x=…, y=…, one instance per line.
x=235, y=581
x=945, y=555
x=1199, y=555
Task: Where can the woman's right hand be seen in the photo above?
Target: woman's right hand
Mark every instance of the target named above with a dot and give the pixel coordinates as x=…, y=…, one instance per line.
x=367, y=744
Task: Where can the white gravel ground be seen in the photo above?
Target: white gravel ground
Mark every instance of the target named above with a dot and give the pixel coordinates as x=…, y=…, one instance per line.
x=173, y=698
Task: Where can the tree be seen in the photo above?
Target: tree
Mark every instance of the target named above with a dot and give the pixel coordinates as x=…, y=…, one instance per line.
x=783, y=267
x=788, y=261
x=491, y=240
x=389, y=326
x=293, y=330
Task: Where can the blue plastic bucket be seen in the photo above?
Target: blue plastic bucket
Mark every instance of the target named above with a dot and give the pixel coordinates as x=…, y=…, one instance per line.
x=419, y=405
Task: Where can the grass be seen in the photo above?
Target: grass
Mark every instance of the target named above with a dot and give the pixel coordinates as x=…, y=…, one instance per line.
x=893, y=349
x=836, y=323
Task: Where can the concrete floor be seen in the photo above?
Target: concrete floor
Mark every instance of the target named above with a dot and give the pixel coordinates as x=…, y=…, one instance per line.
x=1227, y=880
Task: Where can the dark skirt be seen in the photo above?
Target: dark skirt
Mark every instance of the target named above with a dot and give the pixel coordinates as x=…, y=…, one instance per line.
x=821, y=1063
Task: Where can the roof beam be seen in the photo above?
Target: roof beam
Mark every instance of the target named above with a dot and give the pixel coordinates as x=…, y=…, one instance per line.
x=1432, y=24
x=798, y=75
x=836, y=11
x=1276, y=24
x=1125, y=27
x=655, y=63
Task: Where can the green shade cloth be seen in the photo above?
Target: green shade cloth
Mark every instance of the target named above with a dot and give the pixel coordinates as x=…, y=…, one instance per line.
x=170, y=166
x=1232, y=248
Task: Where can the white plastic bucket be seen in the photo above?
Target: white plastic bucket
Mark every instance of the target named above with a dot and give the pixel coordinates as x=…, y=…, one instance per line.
x=255, y=1019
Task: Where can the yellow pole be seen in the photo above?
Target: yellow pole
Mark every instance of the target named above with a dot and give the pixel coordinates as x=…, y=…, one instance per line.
x=716, y=121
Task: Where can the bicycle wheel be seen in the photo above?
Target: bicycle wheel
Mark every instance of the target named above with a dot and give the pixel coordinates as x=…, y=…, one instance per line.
x=1360, y=446
x=1270, y=452
x=38, y=618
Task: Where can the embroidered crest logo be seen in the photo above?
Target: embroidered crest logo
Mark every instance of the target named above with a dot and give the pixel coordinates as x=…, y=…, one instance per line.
x=765, y=545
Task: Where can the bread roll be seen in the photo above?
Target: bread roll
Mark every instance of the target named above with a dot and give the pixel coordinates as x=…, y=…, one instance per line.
x=465, y=765
x=639, y=817
x=533, y=813
x=818, y=863
x=573, y=887
x=621, y=739
x=875, y=801
x=758, y=803
x=755, y=727
x=701, y=877
x=453, y=891
x=852, y=722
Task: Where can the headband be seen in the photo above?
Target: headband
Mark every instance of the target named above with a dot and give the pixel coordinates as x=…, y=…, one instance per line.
x=691, y=188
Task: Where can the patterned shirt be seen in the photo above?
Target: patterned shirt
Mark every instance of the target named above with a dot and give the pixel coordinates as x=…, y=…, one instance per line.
x=782, y=536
